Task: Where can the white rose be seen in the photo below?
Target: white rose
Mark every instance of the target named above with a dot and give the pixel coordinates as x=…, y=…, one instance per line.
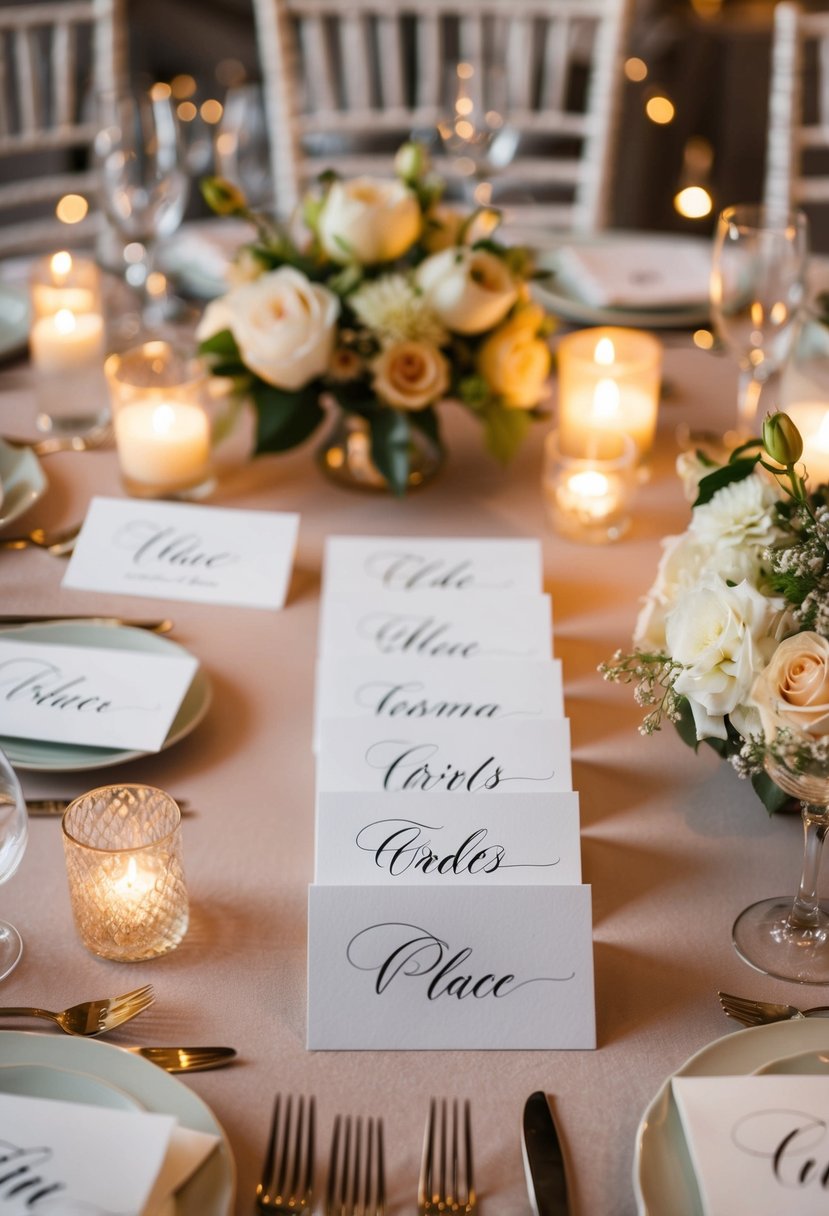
x=368, y=220
x=283, y=324
x=678, y=570
x=471, y=290
x=410, y=375
x=721, y=635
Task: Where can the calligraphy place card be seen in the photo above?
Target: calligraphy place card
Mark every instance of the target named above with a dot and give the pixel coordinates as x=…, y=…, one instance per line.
x=372, y=563
x=759, y=1144
x=446, y=625
x=493, y=841
x=178, y=551
x=423, y=758
x=90, y=696
x=439, y=967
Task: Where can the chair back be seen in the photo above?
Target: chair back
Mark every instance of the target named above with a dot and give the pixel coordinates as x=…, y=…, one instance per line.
x=54, y=57
x=347, y=81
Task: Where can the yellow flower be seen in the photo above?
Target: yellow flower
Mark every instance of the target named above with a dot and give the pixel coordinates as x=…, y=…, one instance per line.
x=514, y=361
x=223, y=197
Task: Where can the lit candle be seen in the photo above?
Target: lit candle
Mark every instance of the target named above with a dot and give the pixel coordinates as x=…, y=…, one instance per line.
x=163, y=444
x=608, y=386
x=589, y=495
x=812, y=420
x=128, y=890
x=67, y=342
x=62, y=281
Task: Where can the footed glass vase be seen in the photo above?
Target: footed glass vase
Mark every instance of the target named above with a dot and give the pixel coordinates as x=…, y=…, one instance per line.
x=786, y=938
x=345, y=456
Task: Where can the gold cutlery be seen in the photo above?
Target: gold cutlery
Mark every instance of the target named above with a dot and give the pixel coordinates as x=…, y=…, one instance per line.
x=59, y=542
x=160, y=625
x=346, y=1174
x=185, y=1059
x=91, y=1017
x=446, y=1153
x=98, y=438
x=53, y=808
x=760, y=1013
x=287, y=1180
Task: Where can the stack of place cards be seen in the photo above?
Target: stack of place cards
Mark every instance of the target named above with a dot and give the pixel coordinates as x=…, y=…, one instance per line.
x=437, y=920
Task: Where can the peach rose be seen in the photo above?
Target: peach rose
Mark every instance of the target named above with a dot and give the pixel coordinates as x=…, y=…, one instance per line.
x=515, y=362
x=410, y=375
x=793, y=691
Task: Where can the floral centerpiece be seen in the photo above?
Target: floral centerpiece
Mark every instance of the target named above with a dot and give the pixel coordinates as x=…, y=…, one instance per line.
x=387, y=304
x=732, y=643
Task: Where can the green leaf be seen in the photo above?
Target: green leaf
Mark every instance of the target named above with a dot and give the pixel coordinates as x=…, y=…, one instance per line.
x=773, y=798
x=223, y=343
x=231, y=370
x=504, y=430
x=685, y=726
x=283, y=419
x=724, y=476
x=427, y=422
x=390, y=437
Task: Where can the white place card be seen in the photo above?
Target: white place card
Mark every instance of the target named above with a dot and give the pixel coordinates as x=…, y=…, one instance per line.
x=423, y=758
x=759, y=1144
x=90, y=696
x=405, y=564
x=79, y=1159
x=385, y=840
x=448, y=968
x=177, y=551
x=406, y=689
x=446, y=625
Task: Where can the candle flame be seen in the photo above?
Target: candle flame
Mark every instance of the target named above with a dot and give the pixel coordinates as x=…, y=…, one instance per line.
x=589, y=484
x=605, y=352
x=131, y=874
x=61, y=264
x=65, y=322
x=606, y=399
x=163, y=419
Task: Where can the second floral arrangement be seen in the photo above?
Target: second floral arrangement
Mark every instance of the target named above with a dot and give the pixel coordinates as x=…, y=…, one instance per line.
x=388, y=304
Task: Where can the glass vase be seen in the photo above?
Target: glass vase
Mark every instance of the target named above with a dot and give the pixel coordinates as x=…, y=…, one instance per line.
x=345, y=456
x=785, y=938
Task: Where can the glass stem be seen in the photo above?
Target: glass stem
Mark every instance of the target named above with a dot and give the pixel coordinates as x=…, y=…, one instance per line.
x=805, y=913
x=748, y=398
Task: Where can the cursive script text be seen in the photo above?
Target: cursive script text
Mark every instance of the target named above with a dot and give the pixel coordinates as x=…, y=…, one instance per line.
x=403, y=845
x=150, y=543
x=403, y=700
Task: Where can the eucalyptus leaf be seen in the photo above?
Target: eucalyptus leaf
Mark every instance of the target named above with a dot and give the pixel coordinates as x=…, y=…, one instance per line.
x=390, y=440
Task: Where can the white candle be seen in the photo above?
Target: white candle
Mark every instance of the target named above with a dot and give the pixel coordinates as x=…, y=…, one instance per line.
x=162, y=443
x=66, y=342
x=590, y=496
x=128, y=891
x=812, y=420
x=65, y=282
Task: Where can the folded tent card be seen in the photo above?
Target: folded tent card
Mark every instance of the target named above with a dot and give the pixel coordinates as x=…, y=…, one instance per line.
x=407, y=564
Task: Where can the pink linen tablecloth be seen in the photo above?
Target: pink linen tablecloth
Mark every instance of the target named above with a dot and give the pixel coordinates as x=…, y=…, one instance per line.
x=674, y=845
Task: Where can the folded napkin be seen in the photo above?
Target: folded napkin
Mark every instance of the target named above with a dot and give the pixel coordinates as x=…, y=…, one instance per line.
x=203, y=250
x=758, y=1144
x=79, y=1159
x=639, y=273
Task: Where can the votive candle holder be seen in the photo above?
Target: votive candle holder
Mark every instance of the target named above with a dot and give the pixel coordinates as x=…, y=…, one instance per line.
x=589, y=499
x=122, y=845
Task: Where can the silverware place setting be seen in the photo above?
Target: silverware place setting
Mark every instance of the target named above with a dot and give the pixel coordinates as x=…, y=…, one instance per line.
x=90, y=1017
x=152, y=625
x=100, y=437
x=286, y=1183
x=543, y=1158
x=447, y=1182
x=356, y=1184
x=185, y=1059
x=750, y=1012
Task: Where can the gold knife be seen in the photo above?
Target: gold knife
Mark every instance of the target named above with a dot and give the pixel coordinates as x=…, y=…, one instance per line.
x=154, y=626
x=53, y=808
x=185, y=1059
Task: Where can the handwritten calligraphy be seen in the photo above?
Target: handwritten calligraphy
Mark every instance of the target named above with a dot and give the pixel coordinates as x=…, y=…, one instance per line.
x=402, y=845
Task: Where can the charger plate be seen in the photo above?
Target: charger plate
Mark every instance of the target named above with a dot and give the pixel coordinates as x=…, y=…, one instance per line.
x=54, y=1062
x=663, y=1176
x=40, y=755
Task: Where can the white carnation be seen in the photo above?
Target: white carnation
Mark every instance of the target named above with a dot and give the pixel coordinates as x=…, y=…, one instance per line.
x=397, y=311
x=739, y=514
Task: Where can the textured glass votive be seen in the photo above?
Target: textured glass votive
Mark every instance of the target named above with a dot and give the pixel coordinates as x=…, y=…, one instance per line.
x=589, y=499
x=126, y=883
x=162, y=428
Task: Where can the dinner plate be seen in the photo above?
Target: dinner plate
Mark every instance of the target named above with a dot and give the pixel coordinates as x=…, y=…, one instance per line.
x=22, y=479
x=43, y=1081
x=663, y=1177
x=43, y=755
x=14, y=320
x=558, y=299
x=801, y=1064
x=210, y=1192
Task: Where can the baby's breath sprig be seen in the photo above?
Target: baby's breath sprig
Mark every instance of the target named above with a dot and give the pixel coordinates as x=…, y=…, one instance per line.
x=654, y=676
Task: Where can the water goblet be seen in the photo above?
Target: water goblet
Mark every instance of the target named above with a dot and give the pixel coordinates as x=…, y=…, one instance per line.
x=14, y=825
x=473, y=129
x=757, y=287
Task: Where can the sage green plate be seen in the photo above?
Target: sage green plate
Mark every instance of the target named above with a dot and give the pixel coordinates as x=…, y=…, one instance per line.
x=22, y=479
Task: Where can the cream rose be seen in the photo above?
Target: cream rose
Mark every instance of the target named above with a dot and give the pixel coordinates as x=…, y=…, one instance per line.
x=793, y=691
x=410, y=375
x=444, y=223
x=368, y=220
x=283, y=324
x=514, y=361
x=471, y=290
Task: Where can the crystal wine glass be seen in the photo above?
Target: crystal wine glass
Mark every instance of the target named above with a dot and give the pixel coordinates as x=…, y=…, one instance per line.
x=144, y=182
x=786, y=938
x=242, y=148
x=473, y=130
x=757, y=287
x=14, y=829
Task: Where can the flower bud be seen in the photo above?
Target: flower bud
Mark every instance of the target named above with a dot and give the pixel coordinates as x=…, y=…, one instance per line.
x=411, y=161
x=782, y=439
x=223, y=196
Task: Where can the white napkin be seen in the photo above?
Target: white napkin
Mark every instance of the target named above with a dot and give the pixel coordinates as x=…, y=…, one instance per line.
x=83, y=1159
x=204, y=249
x=639, y=273
x=759, y=1144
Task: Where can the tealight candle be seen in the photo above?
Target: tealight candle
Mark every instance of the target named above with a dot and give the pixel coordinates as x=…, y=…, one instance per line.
x=65, y=281
x=608, y=385
x=812, y=420
x=126, y=883
x=588, y=498
x=65, y=341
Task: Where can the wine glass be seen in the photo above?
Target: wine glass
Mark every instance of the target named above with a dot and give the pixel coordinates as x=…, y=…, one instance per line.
x=144, y=183
x=785, y=938
x=757, y=287
x=473, y=129
x=242, y=146
x=14, y=826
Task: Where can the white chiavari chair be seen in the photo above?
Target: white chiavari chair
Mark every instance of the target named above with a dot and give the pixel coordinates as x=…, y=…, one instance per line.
x=347, y=80
x=53, y=57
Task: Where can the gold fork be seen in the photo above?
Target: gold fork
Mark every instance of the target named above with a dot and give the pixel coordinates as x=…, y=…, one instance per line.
x=91, y=1017
x=287, y=1181
x=98, y=438
x=446, y=1146
x=59, y=542
x=760, y=1013
x=351, y=1189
